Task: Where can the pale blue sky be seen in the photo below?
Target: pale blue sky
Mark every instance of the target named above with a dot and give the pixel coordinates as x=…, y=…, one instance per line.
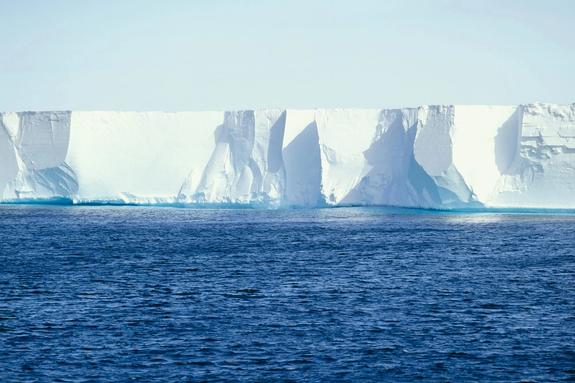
x=232, y=54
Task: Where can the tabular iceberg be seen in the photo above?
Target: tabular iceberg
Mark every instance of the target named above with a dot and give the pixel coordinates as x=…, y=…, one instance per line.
x=441, y=157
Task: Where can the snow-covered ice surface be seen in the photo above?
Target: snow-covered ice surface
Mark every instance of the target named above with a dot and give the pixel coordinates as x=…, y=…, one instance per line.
x=443, y=157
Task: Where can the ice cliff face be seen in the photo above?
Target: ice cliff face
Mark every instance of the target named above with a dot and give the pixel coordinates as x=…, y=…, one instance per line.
x=431, y=157
x=33, y=149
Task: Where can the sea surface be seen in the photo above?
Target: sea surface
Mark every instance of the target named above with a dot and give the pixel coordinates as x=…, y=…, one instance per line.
x=161, y=294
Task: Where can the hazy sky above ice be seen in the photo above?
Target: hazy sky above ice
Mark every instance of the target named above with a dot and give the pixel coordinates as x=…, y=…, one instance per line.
x=231, y=54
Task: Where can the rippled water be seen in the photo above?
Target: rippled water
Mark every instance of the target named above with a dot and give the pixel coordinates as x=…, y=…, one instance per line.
x=166, y=294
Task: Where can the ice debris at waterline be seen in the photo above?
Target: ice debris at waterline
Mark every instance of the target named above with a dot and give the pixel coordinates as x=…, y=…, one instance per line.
x=431, y=157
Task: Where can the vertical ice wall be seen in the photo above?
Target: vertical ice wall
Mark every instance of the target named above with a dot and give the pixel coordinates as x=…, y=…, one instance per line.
x=33, y=148
x=430, y=156
x=302, y=160
x=540, y=171
x=390, y=174
x=246, y=164
x=463, y=149
x=139, y=157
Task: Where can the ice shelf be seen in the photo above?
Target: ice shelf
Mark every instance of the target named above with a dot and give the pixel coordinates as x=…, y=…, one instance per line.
x=440, y=156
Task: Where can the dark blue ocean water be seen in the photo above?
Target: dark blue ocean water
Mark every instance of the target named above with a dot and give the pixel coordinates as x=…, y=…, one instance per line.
x=114, y=294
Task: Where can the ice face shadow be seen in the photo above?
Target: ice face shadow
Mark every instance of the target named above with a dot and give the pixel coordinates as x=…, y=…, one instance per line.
x=508, y=143
x=302, y=162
